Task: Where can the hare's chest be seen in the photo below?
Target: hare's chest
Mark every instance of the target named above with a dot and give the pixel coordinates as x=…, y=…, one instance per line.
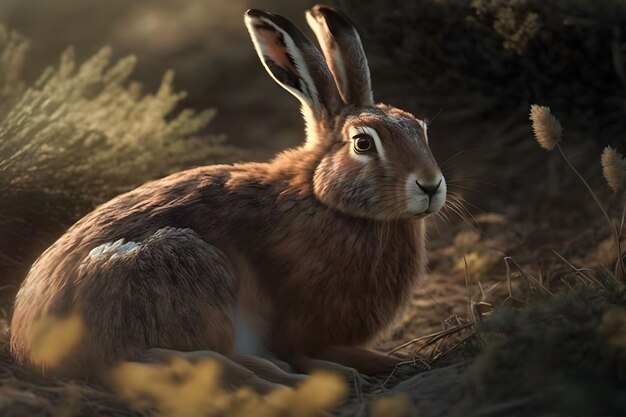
x=341, y=287
x=338, y=257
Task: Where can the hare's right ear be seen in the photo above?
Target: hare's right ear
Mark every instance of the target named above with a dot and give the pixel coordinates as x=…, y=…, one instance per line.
x=343, y=50
x=293, y=61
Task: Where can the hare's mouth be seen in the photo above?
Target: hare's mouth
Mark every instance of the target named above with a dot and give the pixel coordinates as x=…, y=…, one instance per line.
x=423, y=214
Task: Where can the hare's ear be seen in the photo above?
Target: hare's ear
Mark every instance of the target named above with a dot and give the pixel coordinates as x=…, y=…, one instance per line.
x=343, y=50
x=293, y=61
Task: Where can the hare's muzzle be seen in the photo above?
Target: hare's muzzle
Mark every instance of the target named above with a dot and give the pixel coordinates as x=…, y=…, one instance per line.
x=425, y=196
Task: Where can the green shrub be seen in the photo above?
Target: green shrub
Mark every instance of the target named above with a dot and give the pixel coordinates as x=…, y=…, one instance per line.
x=80, y=135
x=559, y=356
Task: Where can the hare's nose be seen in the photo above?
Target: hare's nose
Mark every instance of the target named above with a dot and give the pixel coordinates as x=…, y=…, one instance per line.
x=429, y=190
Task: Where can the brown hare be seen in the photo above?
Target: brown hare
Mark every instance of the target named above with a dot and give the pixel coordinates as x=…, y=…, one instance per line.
x=303, y=258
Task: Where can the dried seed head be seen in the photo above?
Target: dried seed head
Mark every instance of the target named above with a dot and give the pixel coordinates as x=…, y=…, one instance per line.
x=547, y=129
x=614, y=169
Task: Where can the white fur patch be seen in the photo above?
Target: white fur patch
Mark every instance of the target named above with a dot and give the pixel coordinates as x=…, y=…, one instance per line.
x=113, y=250
x=424, y=126
x=417, y=200
x=379, y=144
x=312, y=135
x=439, y=199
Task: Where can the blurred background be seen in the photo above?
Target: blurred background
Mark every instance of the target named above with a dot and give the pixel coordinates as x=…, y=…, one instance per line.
x=465, y=57
x=204, y=41
x=80, y=125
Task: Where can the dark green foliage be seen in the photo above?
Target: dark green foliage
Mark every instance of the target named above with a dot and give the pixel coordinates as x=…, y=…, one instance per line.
x=558, y=355
x=78, y=136
x=569, y=54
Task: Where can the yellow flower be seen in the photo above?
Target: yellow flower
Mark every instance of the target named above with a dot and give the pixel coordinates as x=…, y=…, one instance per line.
x=613, y=327
x=323, y=390
x=179, y=389
x=53, y=338
x=393, y=406
x=184, y=389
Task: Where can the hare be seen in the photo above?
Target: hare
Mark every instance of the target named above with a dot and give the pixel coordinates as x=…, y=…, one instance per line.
x=309, y=256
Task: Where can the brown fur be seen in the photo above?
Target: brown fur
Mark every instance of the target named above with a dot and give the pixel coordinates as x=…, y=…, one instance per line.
x=338, y=38
x=313, y=247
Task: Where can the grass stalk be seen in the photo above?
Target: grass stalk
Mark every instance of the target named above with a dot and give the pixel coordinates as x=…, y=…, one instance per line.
x=619, y=266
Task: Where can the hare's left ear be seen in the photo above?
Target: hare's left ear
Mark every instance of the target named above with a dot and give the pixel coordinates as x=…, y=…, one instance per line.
x=344, y=53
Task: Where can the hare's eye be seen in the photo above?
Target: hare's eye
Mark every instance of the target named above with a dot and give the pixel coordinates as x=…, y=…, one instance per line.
x=363, y=143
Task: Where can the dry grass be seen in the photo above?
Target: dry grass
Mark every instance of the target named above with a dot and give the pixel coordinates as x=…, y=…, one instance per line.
x=548, y=134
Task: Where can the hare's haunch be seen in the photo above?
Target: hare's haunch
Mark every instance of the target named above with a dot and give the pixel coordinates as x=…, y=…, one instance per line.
x=306, y=256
